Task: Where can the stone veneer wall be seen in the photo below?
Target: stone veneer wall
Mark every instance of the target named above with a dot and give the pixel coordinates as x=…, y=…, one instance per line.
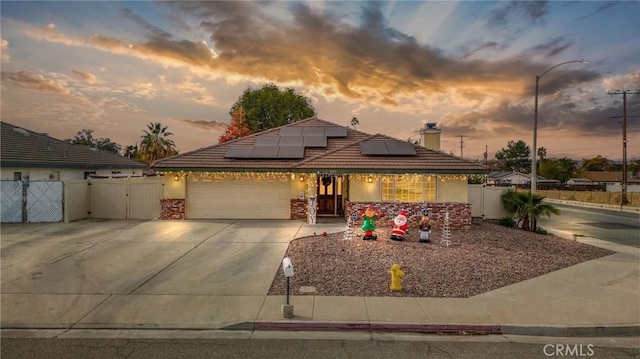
x=172, y=209
x=298, y=209
x=459, y=213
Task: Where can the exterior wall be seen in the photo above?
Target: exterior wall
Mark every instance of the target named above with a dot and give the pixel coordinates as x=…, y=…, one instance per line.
x=617, y=187
x=362, y=191
x=58, y=174
x=298, y=187
x=174, y=189
x=452, y=190
x=459, y=213
x=172, y=209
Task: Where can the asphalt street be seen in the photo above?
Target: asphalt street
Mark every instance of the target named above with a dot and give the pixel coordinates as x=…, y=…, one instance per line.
x=311, y=349
x=607, y=225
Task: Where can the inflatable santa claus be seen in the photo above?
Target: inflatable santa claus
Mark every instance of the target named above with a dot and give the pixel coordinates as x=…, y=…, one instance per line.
x=400, y=227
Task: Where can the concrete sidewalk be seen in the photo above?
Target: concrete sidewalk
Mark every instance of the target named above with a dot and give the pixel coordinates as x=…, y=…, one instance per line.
x=600, y=297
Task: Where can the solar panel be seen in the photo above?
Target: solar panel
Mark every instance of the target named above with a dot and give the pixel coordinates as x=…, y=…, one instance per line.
x=335, y=131
x=400, y=148
x=239, y=152
x=314, y=141
x=373, y=148
x=313, y=131
x=290, y=141
x=267, y=141
x=265, y=152
x=291, y=131
x=294, y=152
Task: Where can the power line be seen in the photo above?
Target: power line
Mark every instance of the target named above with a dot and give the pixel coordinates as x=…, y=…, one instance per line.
x=623, y=199
x=461, y=144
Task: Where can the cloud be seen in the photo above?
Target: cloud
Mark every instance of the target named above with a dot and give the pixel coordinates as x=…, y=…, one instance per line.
x=153, y=30
x=4, y=47
x=89, y=77
x=630, y=81
x=205, y=125
x=601, y=8
x=488, y=45
x=525, y=13
x=552, y=47
x=50, y=33
x=205, y=100
x=34, y=82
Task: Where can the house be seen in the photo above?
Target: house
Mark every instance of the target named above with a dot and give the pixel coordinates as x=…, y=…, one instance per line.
x=613, y=180
x=513, y=178
x=275, y=174
x=31, y=156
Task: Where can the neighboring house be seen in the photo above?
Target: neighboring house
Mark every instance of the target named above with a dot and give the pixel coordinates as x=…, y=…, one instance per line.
x=274, y=175
x=610, y=177
x=513, y=178
x=613, y=180
x=30, y=156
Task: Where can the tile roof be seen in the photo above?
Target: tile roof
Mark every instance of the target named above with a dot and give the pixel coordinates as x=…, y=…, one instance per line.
x=599, y=176
x=342, y=154
x=24, y=148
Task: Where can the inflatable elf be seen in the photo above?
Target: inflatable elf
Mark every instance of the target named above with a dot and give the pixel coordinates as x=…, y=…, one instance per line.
x=369, y=224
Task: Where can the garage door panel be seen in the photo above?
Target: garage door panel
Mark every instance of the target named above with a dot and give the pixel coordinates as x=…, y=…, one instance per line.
x=237, y=200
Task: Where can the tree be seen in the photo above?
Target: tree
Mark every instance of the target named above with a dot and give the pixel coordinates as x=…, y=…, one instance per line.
x=237, y=128
x=561, y=169
x=515, y=157
x=542, y=154
x=269, y=107
x=131, y=151
x=597, y=163
x=155, y=143
x=85, y=138
x=527, y=207
x=355, y=122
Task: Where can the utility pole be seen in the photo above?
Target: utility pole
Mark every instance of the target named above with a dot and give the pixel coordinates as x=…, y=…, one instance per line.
x=486, y=154
x=623, y=200
x=461, y=144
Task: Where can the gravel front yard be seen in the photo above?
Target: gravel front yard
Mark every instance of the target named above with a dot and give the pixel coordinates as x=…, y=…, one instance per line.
x=484, y=258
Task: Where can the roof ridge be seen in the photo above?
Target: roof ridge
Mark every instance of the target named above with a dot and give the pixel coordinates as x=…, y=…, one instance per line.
x=332, y=151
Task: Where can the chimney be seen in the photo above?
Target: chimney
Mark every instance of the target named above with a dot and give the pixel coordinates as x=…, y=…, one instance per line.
x=431, y=136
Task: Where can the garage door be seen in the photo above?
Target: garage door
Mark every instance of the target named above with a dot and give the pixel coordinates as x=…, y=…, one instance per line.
x=238, y=199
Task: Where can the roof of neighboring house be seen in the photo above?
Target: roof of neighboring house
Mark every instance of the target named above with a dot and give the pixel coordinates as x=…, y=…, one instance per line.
x=342, y=153
x=24, y=148
x=599, y=176
x=579, y=180
x=499, y=176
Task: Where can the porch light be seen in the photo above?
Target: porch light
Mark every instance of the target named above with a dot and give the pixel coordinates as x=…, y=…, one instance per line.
x=301, y=178
x=370, y=179
x=176, y=177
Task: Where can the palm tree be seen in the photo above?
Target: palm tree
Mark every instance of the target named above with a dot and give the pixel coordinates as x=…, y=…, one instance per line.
x=527, y=208
x=155, y=143
x=131, y=151
x=355, y=122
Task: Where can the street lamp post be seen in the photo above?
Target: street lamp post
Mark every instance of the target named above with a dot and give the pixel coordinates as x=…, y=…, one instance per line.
x=535, y=123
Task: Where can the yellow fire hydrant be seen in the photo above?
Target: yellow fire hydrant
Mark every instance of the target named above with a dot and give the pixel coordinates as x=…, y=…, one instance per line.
x=396, y=277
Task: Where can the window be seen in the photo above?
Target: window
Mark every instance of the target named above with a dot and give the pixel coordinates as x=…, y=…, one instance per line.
x=408, y=188
x=17, y=176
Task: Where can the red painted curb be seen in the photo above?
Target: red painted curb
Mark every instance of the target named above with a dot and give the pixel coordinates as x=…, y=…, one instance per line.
x=389, y=327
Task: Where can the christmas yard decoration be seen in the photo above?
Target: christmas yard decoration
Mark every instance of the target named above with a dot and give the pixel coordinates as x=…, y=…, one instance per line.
x=369, y=225
x=425, y=227
x=400, y=227
x=446, y=231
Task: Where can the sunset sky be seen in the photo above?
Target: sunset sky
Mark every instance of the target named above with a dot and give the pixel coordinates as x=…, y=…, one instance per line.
x=470, y=66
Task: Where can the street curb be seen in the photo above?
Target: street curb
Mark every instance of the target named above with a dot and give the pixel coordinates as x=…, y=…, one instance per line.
x=467, y=329
x=550, y=331
x=461, y=329
x=610, y=207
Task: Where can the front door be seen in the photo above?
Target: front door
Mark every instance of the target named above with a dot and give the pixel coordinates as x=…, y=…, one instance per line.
x=329, y=195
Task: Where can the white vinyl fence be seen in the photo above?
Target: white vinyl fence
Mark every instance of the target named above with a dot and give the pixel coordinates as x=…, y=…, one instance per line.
x=71, y=200
x=486, y=202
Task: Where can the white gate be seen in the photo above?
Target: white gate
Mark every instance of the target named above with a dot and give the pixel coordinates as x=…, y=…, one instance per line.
x=486, y=201
x=11, y=201
x=126, y=198
x=44, y=202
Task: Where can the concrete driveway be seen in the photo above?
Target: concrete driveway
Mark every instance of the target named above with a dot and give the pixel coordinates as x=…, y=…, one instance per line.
x=141, y=274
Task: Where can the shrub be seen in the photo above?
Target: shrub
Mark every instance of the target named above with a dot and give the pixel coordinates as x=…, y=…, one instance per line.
x=507, y=221
x=541, y=230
